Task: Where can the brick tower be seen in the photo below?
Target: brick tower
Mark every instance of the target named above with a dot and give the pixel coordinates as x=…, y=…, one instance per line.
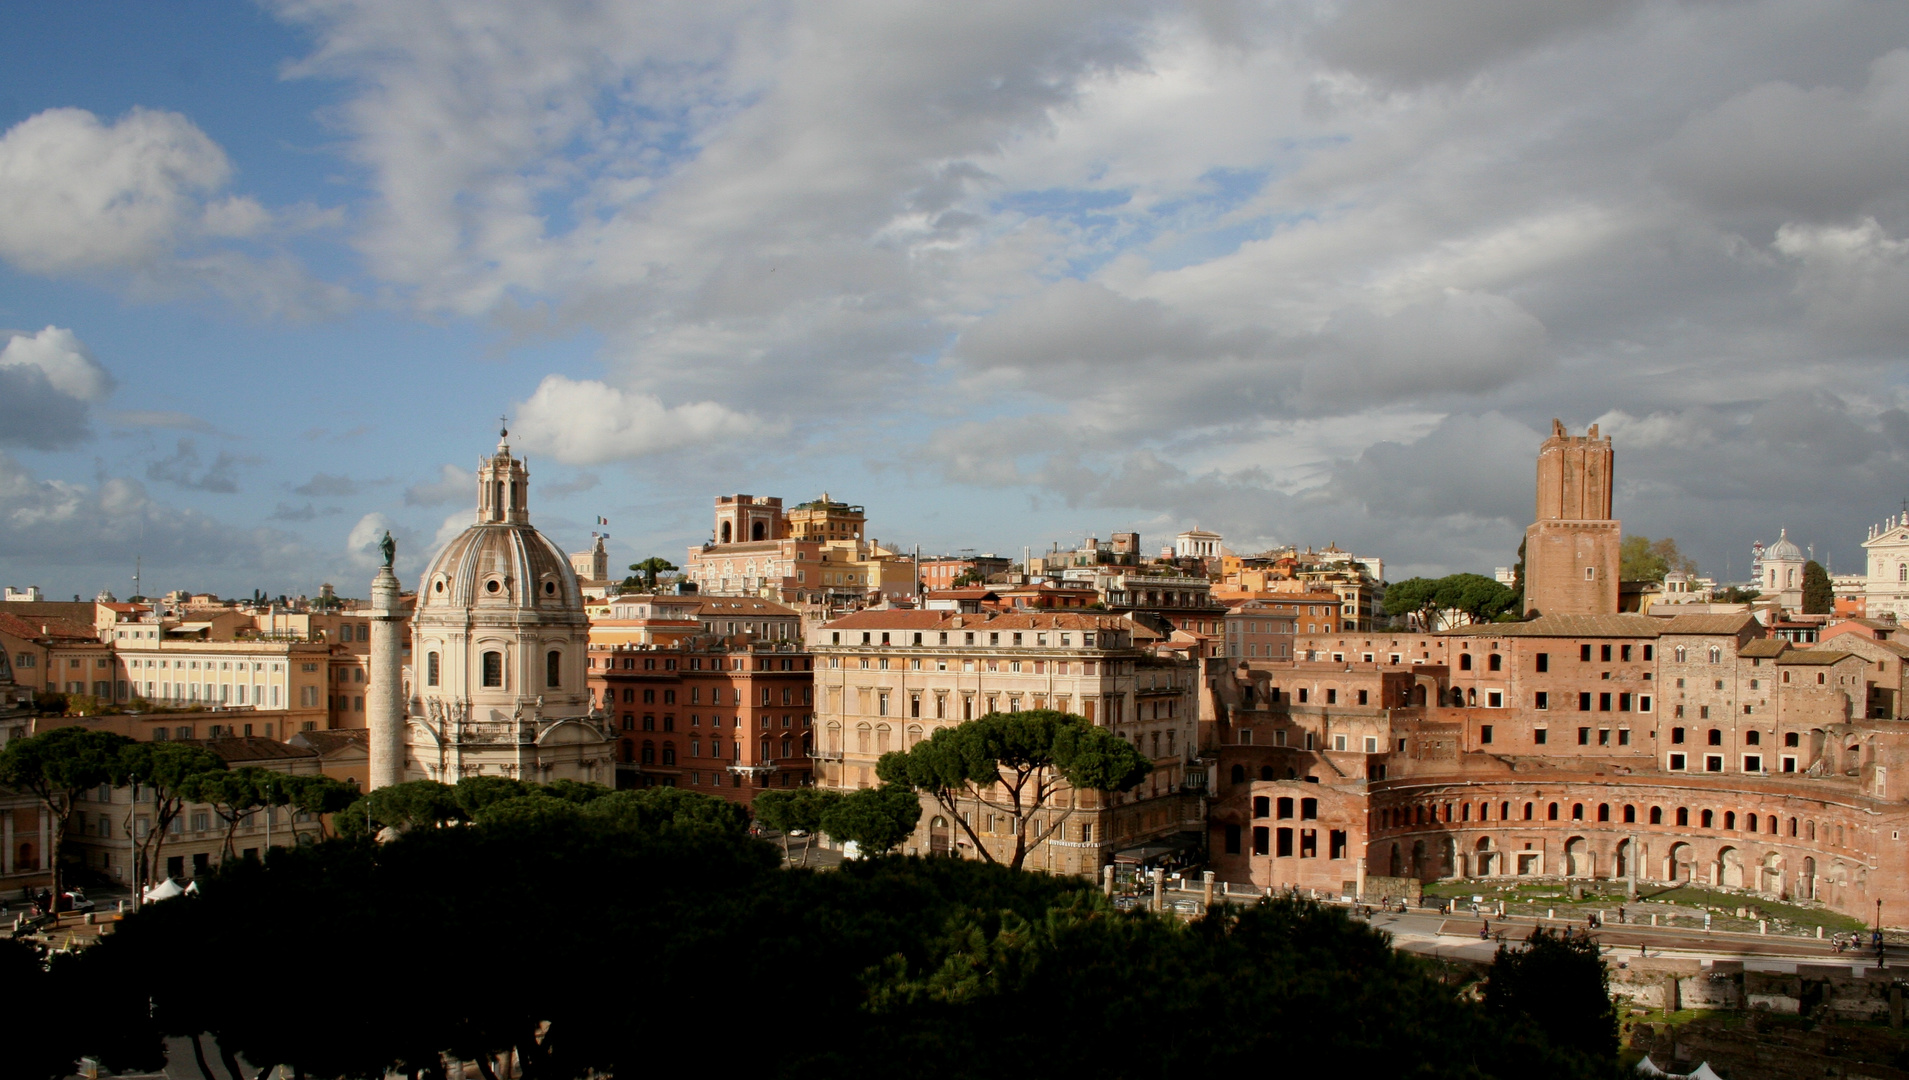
x=1571, y=550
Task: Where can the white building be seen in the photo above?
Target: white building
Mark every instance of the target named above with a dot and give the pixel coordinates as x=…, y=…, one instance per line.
x=1782, y=572
x=500, y=644
x=1886, y=587
x=1198, y=544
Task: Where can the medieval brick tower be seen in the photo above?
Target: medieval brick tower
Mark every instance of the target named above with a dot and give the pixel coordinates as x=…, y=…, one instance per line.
x=1571, y=550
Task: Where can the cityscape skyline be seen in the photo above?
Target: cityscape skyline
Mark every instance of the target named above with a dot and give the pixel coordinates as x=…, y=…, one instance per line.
x=268, y=277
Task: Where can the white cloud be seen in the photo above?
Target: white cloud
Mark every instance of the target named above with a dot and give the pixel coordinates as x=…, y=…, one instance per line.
x=585, y=422
x=78, y=194
x=361, y=544
x=67, y=363
x=452, y=485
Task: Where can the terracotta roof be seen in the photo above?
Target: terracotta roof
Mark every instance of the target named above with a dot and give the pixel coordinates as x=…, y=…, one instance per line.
x=1815, y=656
x=334, y=740
x=916, y=619
x=1591, y=626
x=246, y=749
x=1708, y=624
x=46, y=626
x=960, y=594
x=1763, y=648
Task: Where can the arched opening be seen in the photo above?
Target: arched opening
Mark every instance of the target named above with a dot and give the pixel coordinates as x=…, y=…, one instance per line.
x=1551, y=813
x=1418, y=859
x=553, y=668
x=940, y=837
x=1577, y=857
x=1487, y=858
x=494, y=669
x=1238, y=775
x=1527, y=811
x=1265, y=772
x=1683, y=817
x=431, y=669
x=1621, y=865
x=1397, y=865
x=1494, y=663
x=1681, y=864
x=1656, y=815
x=1772, y=875
x=1708, y=819
x=756, y=532
x=724, y=533
x=1730, y=868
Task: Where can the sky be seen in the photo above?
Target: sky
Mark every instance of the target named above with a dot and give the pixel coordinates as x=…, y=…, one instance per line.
x=1007, y=274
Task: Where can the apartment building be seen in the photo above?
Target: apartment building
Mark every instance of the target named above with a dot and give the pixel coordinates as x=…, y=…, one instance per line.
x=726, y=717
x=886, y=679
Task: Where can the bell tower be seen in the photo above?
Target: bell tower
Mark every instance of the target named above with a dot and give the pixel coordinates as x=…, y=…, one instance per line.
x=1571, y=550
x=503, y=487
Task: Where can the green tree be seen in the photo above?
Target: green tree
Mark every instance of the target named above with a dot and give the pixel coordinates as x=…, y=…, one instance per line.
x=1416, y=598
x=473, y=793
x=1819, y=597
x=787, y=810
x=162, y=769
x=55, y=767
x=876, y=819
x=1029, y=756
x=322, y=797
x=413, y=804
x=232, y=794
x=1639, y=558
x=643, y=574
x=1558, y=982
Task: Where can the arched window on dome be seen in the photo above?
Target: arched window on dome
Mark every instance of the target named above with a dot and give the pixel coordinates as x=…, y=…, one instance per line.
x=553, y=668
x=431, y=670
x=494, y=669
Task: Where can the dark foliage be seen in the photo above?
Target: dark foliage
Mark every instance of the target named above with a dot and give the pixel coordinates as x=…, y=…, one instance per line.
x=633, y=924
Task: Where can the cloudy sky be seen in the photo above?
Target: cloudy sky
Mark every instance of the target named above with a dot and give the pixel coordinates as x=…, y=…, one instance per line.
x=1006, y=273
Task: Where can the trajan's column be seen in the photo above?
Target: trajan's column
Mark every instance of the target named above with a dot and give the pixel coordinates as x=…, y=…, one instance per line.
x=384, y=692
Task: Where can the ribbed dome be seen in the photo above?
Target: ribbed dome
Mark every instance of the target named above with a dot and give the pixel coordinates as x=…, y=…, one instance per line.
x=1783, y=549
x=498, y=568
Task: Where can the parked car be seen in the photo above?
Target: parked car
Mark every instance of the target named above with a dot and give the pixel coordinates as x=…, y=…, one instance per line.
x=75, y=900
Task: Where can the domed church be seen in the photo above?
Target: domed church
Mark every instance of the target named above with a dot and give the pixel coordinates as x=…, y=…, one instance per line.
x=499, y=644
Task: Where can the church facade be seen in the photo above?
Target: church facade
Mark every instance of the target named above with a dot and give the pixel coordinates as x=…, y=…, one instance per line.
x=500, y=648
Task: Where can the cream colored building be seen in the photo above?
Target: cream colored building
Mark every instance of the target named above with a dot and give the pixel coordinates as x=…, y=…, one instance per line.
x=500, y=649
x=1886, y=589
x=886, y=679
x=264, y=688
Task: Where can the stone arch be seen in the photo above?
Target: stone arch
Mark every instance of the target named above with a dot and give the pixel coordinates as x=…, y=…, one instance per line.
x=1397, y=864
x=1578, y=861
x=940, y=836
x=1681, y=864
x=1418, y=859
x=1621, y=860
x=1770, y=876
x=1489, y=861
x=1729, y=867
x=725, y=533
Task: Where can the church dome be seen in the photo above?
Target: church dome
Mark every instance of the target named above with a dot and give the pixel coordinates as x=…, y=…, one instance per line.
x=1783, y=550
x=501, y=565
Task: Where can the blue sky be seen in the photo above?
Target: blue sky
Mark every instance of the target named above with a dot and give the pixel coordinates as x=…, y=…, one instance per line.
x=1007, y=274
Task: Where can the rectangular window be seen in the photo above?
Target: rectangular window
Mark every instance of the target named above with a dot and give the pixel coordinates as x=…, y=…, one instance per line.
x=1338, y=742
x=1494, y=699
x=1584, y=701
x=1337, y=839
x=1623, y=703
x=1538, y=735
x=1677, y=763
x=1584, y=654
x=1623, y=736
x=1752, y=763
x=1604, y=653
x=1332, y=696
x=1643, y=703
x=1624, y=653
x=1541, y=701
x=1713, y=763
x=1260, y=837
x=1584, y=736
x=1604, y=736
x=1285, y=850
x=1604, y=703
x=1484, y=733
x=1232, y=839
x=1789, y=764
x=1703, y=712
x=1544, y=661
